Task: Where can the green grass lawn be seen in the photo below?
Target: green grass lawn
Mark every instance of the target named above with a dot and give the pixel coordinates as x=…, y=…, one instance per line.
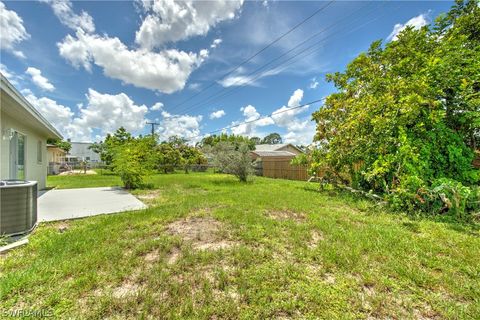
x=211, y=247
x=83, y=181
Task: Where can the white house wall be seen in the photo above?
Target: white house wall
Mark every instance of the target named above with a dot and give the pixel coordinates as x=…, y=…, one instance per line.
x=33, y=170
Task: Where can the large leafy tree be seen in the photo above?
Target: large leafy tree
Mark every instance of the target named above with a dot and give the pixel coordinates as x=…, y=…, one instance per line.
x=62, y=144
x=236, y=140
x=189, y=155
x=409, y=110
x=106, y=149
x=233, y=159
x=133, y=159
x=272, y=138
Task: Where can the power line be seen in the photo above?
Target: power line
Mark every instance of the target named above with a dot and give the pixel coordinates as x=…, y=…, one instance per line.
x=288, y=109
x=257, y=53
x=260, y=118
x=218, y=94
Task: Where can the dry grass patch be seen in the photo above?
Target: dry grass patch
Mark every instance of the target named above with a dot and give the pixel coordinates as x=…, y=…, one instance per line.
x=126, y=289
x=173, y=255
x=152, y=256
x=316, y=238
x=284, y=215
x=204, y=233
x=149, y=195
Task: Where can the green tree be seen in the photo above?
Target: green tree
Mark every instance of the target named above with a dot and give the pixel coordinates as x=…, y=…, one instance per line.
x=107, y=148
x=62, y=144
x=408, y=111
x=236, y=140
x=272, y=138
x=187, y=155
x=233, y=159
x=133, y=160
x=168, y=158
x=256, y=140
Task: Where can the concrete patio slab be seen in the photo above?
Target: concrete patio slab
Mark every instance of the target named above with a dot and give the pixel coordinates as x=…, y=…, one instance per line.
x=66, y=204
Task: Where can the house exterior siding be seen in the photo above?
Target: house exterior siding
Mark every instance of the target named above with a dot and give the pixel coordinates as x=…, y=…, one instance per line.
x=22, y=128
x=290, y=148
x=33, y=169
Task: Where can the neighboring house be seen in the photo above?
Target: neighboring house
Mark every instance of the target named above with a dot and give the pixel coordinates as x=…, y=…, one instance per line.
x=274, y=161
x=279, y=147
x=56, y=157
x=80, y=152
x=268, y=155
x=24, y=133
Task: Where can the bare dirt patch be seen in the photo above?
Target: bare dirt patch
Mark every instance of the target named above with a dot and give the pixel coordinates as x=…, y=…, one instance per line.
x=204, y=233
x=126, y=289
x=173, y=255
x=76, y=172
x=62, y=226
x=283, y=215
x=149, y=195
x=316, y=238
x=152, y=256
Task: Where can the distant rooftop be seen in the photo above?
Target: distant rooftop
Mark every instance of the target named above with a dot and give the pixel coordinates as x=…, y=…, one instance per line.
x=274, y=147
x=274, y=153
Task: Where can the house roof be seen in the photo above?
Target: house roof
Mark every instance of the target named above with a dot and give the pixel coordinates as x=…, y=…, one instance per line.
x=274, y=147
x=274, y=153
x=15, y=105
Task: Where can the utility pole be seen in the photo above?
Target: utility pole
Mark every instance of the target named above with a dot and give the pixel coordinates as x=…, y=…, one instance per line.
x=153, y=124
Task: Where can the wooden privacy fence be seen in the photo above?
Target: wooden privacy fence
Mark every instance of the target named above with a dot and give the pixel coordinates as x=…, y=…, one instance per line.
x=280, y=168
x=476, y=160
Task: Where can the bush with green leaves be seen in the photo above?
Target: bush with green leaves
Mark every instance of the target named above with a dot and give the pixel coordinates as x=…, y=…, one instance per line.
x=406, y=116
x=133, y=160
x=233, y=159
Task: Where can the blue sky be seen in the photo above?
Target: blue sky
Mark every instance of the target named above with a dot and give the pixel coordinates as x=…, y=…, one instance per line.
x=91, y=67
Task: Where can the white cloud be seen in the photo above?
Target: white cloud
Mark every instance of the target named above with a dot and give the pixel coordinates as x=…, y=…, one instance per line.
x=299, y=131
x=104, y=112
x=249, y=129
x=58, y=115
x=185, y=126
x=415, y=22
x=171, y=21
x=314, y=83
x=216, y=43
x=157, y=106
x=166, y=71
x=217, y=114
x=39, y=80
x=194, y=86
x=12, y=31
x=64, y=11
x=10, y=75
x=295, y=98
x=109, y=112
x=238, y=78
x=286, y=116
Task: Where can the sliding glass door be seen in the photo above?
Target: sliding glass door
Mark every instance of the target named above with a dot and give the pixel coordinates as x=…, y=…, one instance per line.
x=17, y=156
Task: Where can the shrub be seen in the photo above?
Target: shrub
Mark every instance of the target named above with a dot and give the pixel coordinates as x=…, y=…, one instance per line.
x=233, y=159
x=133, y=160
x=443, y=196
